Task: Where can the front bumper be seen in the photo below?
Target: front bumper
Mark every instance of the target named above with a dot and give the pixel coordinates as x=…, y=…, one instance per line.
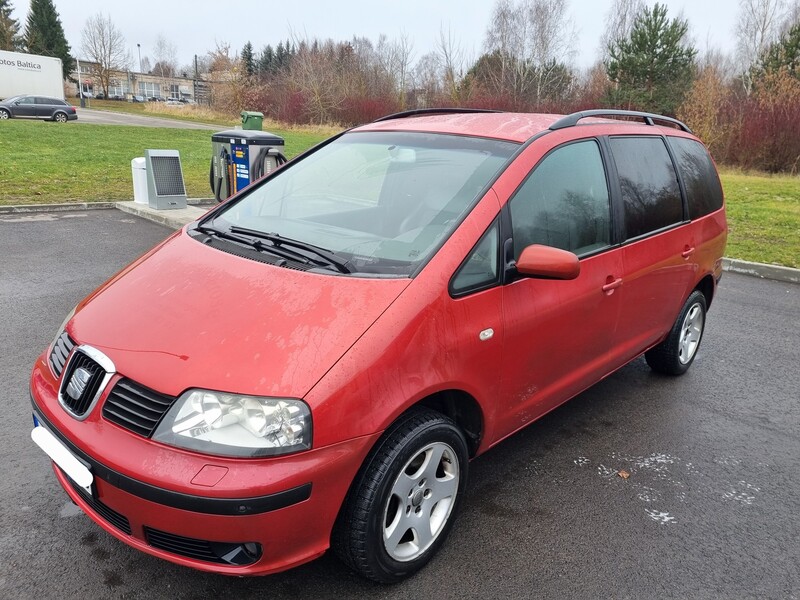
x=282, y=518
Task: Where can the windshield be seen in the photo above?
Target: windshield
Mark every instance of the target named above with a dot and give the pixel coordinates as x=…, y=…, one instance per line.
x=381, y=202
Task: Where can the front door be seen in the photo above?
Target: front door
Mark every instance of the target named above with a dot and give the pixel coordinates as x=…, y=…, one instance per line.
x=558, y=334
x=25, y=107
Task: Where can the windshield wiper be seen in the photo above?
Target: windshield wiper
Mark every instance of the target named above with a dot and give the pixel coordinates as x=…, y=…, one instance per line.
x=343, y=266
x=256, y=244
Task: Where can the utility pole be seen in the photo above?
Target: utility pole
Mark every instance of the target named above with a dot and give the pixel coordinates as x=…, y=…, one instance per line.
x=80, y=85
x=139, y=47
x=194, y=81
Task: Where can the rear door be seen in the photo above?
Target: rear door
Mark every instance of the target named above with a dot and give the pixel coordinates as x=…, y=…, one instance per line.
x=558, y=333
x=44, y=107
x=658, y=253
x=704, y=200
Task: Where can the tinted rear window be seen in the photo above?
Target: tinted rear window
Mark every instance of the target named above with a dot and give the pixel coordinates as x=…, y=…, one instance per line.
x=650, y=190
x=703, y=190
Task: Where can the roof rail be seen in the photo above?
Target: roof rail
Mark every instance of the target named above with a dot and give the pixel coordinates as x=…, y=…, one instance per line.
x=647, y=118
x=433, y=111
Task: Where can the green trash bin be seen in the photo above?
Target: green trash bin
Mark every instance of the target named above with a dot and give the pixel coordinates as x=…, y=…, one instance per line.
x=252, y=120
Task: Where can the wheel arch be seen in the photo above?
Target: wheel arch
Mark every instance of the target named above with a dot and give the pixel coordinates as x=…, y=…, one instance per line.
x=462, y=408
x=707, y=286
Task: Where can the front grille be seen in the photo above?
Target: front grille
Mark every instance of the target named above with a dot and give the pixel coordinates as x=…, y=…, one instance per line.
x=226, y=553
x=61, y=349
x=76, y=399
x=108, y=514
x=135, y=407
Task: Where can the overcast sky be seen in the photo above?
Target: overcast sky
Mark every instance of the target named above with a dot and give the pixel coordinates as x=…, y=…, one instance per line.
x=195, y=27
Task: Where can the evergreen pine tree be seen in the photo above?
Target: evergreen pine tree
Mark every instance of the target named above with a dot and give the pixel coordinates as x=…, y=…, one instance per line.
x=248, y=60
x=783, y=54
x=654, y=67
x=9, y=28
x=266, y=62
x=44, y=34
x=280, y=57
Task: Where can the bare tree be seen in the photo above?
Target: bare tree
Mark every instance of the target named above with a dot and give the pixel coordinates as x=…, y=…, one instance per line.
x=533, y=44
x=104, y=45
x=505, y=39
x=451, y=59
x=394, y=58
x=619, y=23
x=166, y=56
x=552, y=41
x=791, y=17
x=427, y=79
x=756, y=29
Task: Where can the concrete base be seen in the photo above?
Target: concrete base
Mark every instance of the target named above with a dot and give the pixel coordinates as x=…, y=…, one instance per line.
x=171, y=218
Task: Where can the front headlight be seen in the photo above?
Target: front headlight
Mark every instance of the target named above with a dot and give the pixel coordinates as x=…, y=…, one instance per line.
x=236, y=425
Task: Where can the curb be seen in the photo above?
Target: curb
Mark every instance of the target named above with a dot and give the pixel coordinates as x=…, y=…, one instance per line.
x=72, y=206
x=37, y=208
x=773, y=272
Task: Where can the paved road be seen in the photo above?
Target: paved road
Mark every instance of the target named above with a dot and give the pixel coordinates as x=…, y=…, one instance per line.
x=105, y=117
x=711, y=508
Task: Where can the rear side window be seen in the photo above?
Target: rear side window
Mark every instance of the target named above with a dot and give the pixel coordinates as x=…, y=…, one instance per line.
x=650, y=191
x=703, y=190
x=564, y=203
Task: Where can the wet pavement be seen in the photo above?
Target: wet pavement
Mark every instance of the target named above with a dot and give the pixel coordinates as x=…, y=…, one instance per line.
x=107, y=117
x=710, y=507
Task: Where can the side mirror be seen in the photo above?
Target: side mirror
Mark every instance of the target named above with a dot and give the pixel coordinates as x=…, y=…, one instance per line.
x=547, y=262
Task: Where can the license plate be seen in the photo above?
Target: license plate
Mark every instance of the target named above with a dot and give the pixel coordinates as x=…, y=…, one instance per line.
x=61, y=455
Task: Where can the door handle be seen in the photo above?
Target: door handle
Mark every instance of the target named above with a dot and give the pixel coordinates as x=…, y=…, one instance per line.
x=612, y=285
x=688, y=252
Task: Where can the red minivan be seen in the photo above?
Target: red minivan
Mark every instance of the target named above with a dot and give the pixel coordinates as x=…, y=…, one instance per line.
x=314, y=362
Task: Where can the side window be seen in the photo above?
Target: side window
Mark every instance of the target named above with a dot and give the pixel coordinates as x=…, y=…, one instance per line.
x=40, y=100
x=564, y=202
x=28, y=100
x=703, y=190
x=480, y=270
x=650, y=191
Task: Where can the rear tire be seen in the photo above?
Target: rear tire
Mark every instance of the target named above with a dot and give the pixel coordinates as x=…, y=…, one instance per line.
x=676, y=354
x=403, y=502
x=60, y=117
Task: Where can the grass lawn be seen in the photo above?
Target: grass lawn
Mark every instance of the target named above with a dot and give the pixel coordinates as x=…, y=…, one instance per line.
x=42, y=162
x=45, y=162
x=763, y=217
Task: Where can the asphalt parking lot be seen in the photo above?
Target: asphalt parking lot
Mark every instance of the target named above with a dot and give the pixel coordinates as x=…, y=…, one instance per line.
x=106, y=117
x=711, y=508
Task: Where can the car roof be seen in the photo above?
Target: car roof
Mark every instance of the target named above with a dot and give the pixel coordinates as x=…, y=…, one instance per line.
x=518, y=127
x=515, y=127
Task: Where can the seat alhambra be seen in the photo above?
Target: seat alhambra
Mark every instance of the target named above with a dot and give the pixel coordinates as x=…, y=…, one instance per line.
x=314, y=363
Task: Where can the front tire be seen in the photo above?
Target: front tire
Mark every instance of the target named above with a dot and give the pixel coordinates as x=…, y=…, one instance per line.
x=403, y=502
x=676, y=354
x=4, y=114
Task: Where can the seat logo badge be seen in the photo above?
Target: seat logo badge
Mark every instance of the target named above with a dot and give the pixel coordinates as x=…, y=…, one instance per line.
x=77, y=384
x=486, y=334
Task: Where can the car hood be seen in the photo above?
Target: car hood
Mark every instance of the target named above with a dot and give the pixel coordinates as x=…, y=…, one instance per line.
x=187, y=315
